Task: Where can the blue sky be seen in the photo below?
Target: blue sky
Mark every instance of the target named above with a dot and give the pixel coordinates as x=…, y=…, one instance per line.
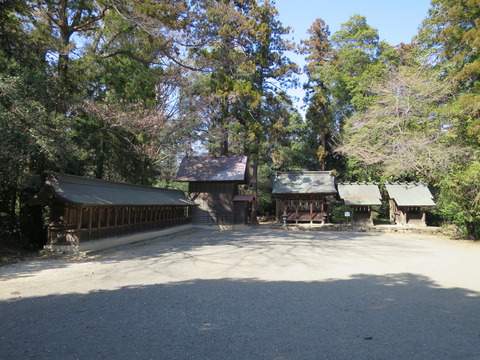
x=396, y=20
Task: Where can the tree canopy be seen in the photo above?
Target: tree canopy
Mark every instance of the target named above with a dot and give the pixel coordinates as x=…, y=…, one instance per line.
x=123, y=89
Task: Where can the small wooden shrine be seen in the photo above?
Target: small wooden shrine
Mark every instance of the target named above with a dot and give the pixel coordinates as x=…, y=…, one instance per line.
x=361, y=197
x=408, y=202
x=300, y=195
x=213, y=184
x=84, y=209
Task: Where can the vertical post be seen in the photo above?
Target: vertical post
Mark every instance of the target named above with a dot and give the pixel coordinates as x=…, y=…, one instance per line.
x=311, y=211
x=255, y=190
x=99, y=220
x=322, y=209
x=296, y=212
x=79, y=218
x=107, y=209
x=66, y=216
x=90, y=219
x=277, y=209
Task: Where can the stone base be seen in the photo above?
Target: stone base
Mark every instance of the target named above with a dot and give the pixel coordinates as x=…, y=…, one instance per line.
x=94, y=245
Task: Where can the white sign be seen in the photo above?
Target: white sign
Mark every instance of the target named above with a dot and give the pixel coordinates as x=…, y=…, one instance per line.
x=347, y=213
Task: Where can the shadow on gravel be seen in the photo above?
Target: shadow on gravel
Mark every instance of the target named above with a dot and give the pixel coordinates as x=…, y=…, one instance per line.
x=255, y=240
x=397, y=316
x=262, y=240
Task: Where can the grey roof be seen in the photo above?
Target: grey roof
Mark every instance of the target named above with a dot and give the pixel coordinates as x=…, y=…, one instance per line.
x=208, y=168
x=244, y=197
x=88, y=191
x=360, y=193
x=304, y=182
x=410, y=194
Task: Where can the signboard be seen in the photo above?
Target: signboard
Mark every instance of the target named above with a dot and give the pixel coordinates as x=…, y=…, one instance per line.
x=347, y=213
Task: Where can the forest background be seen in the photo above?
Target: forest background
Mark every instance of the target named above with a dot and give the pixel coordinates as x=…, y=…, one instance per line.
x=124, y=89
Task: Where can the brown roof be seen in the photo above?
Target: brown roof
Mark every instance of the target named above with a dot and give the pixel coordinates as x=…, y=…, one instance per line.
x=207, y=168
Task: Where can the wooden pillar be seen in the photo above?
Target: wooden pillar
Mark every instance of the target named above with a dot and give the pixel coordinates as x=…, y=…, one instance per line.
x=296, y=212
x=322, y=207
x=278, y=206
x=311, y=211
x=99, y=220
x=90, y=219
x=116, y=217
x=66, y=216
x=79, y=218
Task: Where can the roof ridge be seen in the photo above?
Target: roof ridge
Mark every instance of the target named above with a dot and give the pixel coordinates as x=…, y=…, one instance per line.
x=88, y=181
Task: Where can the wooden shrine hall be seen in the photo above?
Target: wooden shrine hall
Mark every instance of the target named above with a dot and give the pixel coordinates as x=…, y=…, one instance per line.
x=85, y=209
x=213, y=184
x=300, y=195
x=408, y=202
x=361, y=197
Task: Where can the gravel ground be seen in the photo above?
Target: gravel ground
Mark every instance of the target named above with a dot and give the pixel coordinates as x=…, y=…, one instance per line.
x=256, y=294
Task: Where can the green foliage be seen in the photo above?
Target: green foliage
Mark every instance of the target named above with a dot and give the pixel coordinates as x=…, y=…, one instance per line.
x=451, y=32
x=341, y=71
x=337, y=215
x=460, y=198
x=360, y=59
x=265, y=200
x=32, y=143
x=122, y=90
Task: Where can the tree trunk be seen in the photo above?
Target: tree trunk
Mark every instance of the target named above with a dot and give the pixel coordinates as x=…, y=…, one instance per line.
x=66, y=32
x=471, y=230
x=100, y=168
x=324, y=146
x=254, y=190
x=224, y=141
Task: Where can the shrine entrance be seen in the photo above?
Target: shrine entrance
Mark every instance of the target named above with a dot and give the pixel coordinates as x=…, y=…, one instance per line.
x=300, y=195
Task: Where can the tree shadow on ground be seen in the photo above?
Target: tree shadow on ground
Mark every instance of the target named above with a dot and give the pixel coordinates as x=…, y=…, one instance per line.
x=265, y=242
x=396, y=316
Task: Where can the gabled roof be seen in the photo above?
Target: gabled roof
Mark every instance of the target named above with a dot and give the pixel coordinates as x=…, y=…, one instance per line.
x=360, y=193
x=410, y=194
x=87, y=191
x=304, y=182
x=208, y=168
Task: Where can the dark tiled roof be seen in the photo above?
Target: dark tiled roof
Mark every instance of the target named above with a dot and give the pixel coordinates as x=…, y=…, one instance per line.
x=245, y=197
x=360, y=193
x=410, y=194
x=207, y=168
x=304, y=182
x=87, y=191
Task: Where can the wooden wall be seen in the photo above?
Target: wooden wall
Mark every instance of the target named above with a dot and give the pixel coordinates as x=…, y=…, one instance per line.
x=407, y=215
x=74, y=224
x=215, y=202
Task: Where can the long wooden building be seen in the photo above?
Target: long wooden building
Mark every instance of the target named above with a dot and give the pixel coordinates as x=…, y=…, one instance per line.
x=84, y=209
